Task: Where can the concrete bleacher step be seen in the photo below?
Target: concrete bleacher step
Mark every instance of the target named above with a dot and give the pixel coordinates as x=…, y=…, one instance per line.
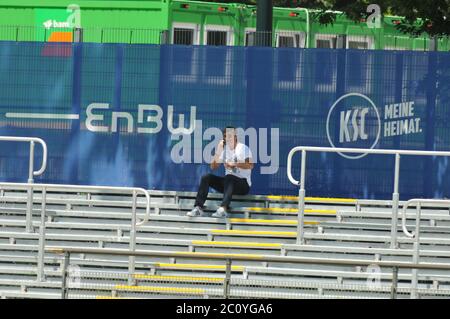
x=269, y=282
x=194, y=265
x=262, y=248
x=155, y=233
x=173, y=285
x=162, y=233
x=338, y=288
x=186, y=197
x=259, y=225
x=411, y=214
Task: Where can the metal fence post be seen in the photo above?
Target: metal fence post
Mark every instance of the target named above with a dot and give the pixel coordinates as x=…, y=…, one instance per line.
x=64, y=288
x=301, y=201
x=164, y=37
x=28, y=225
x=29, y=222
x=132, y=259
x=414, y=281
x=394, y=283
x=226, y=284
x=395, y=202
x=41, y=252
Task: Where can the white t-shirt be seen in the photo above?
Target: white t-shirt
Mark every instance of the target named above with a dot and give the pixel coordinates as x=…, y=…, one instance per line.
x=240, y=153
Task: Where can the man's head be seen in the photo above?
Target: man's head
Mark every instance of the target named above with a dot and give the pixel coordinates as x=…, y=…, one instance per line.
x=229, y=135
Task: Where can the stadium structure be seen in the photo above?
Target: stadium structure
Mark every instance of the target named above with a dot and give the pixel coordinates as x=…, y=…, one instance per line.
x=109, y=109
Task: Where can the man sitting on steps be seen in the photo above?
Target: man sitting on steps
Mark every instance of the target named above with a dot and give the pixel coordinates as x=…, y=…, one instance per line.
x=237, y=160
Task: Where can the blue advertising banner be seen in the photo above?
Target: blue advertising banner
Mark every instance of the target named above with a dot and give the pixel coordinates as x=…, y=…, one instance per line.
x=151, y=115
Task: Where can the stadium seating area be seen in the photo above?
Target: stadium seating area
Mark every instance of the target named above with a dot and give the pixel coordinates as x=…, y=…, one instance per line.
x=334, y=228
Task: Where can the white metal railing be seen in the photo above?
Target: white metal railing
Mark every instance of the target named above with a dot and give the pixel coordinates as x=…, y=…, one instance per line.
x=32, y=141
x=395, y=194
x=90, y=189
x=416, y=234
x=229, y=258
x=31, y=172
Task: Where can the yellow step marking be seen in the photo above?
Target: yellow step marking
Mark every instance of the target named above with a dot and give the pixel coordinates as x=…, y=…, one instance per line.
x=313, y=199
x=109, y=297
x=271, y=221
x=218, y=254
x=198, y=266
x=253, y=232
x=196, y=291
x=234, y=243
x=178, y=278
x=291, y=210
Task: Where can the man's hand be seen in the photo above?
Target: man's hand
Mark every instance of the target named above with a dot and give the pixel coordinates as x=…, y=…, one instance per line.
x=230, y=165
x=219, y=148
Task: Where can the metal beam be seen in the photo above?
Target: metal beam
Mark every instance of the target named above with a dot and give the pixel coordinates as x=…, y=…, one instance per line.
x=264, y=15
x=251, y=257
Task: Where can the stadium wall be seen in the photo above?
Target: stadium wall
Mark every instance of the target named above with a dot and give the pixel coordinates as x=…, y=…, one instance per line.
x=110, y=114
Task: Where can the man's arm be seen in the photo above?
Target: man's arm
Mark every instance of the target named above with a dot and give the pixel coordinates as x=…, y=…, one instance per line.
x=216, y=159
x=245, y=165
x=248, y=162
x=214, y=164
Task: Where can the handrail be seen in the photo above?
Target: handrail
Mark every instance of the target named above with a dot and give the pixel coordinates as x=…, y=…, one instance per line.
x=416, y=235
x=228, y=258
x=31, y=140
x=418, y=201
x=31, y=172
x=249, y=257
x=56, y=187
x=395, y=194
x=357, y=150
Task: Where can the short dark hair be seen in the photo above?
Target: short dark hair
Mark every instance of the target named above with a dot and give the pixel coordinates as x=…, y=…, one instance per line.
x=229, y=128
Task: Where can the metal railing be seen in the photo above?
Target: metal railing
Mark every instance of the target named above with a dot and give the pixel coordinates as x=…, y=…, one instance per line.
x=229, y=258
x=395, y=194
x=90, y=189
x=31, y=172
x=416, y=234
x=32, y=141
x=183, y=35
x=87, y=35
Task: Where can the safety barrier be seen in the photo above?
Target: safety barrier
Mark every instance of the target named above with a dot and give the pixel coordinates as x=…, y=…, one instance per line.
x=229, y=258
x=416, y=234
x=395, y=194
x=31, y=172
x=90, y=189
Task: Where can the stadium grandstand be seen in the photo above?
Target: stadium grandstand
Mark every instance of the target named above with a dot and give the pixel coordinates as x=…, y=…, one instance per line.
x=109, y=119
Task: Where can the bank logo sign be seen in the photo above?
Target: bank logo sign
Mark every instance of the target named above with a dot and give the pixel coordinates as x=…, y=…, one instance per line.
x=354, y=121
x=55, y=24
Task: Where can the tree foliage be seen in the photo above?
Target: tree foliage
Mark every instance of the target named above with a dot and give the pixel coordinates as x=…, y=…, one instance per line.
x=417, y=16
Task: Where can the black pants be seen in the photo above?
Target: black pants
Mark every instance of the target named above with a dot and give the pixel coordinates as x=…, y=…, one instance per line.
x=229, y=185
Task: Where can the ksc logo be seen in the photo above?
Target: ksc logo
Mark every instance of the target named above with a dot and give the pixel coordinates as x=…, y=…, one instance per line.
x=359, y=130
x=358, y=120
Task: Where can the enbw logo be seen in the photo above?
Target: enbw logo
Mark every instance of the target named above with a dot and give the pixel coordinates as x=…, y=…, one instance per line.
x=353, y=121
